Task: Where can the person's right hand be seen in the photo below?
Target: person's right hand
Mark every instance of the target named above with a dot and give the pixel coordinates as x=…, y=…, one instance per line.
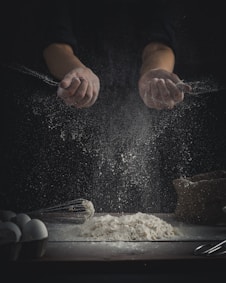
x=79, y=88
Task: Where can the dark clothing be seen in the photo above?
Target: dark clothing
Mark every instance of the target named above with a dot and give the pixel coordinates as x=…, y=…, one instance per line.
x=117, y=21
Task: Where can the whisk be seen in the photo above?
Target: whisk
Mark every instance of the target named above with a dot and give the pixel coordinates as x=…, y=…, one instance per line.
x=78, y=210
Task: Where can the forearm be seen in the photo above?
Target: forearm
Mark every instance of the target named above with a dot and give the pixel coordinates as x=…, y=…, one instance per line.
x=60, y=59
x=157, y=56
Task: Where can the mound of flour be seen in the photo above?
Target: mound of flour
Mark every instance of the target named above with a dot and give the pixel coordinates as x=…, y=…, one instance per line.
x=132, y=227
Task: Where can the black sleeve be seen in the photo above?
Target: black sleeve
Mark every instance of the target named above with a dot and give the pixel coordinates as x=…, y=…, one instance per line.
x=154, y=19
x=160, y=21
x=57, y=24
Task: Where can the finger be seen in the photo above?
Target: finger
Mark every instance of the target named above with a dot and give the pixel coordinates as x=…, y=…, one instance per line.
x=175, y=92
x=68, y=80
x=174, y=78
x=65, y=83
x=81, y=91
x=75, y=93
x=96, y=89
x=70, y=90
x=74, y=86
x=154, y=96
x=184, y=87
x=166, y=98
x=87, y=98
x=148, y=95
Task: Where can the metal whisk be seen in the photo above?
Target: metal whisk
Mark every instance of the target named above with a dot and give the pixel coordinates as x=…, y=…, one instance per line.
x=76, y=210
x=211, y=249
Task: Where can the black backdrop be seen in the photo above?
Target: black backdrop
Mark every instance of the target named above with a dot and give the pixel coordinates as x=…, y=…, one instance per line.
x=119, y=154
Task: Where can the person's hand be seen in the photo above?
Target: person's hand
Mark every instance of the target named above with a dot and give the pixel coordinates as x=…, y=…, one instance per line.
x=79, y=88
x=160, y=89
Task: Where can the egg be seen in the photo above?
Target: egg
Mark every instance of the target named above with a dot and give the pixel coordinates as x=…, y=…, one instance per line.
x=34, y=229
x=6, y=236
x=10, y=226
x=21, y=219
x=6, y=215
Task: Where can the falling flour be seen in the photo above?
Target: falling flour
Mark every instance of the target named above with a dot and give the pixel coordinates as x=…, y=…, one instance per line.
x=116, y=152
x=130, y=227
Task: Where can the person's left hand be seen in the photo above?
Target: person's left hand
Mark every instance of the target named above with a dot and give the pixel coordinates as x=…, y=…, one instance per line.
x=160, y=89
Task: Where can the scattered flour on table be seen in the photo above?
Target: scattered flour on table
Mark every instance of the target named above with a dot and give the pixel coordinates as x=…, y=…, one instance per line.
x=130, y=227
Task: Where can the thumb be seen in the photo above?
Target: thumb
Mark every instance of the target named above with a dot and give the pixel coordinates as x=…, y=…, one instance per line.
x=184, y=87
x=65, y=83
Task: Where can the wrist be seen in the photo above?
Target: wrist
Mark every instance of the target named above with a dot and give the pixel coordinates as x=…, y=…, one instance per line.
x=60, y=60
x=157, y=56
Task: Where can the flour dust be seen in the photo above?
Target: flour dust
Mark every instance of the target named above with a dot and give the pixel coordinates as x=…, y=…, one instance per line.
x=119, y=154
x=125, y=149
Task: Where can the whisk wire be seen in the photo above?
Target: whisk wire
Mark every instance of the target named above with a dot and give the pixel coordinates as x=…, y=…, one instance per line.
x=81, y=208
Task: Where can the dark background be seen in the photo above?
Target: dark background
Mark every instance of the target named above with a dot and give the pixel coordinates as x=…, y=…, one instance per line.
x=119, y=154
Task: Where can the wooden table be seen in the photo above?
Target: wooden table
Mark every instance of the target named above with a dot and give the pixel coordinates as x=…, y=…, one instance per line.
x=131, y=261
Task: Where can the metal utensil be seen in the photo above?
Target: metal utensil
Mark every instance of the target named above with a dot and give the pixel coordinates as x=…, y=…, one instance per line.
x=211, y=249
x=27, y=71
x=80, y=209
x=200, y=87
